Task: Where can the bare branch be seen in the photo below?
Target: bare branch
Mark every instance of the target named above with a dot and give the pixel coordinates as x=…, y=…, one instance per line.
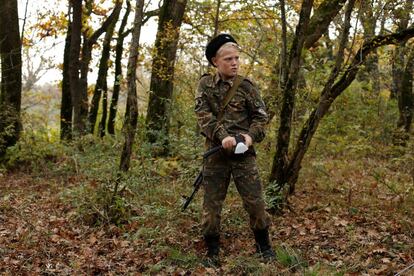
x=24, y=20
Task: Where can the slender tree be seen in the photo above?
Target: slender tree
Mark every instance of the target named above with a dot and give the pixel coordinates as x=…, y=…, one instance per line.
x=217, y=19
x=280, y=162
x=66, y=102
x=287, y=173
x=162, y=75
x=11, y=75
x=74, y=66
x=406, y=96
x=131, y=114
x=317, y=27
x=118, y=70
x=402, y=72
x=89, y=40
x=101, y=86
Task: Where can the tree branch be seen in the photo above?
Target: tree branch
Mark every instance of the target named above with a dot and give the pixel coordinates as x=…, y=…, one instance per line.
x=94, y=37
x=149, y=14
x=321, y=19
x=362, y=53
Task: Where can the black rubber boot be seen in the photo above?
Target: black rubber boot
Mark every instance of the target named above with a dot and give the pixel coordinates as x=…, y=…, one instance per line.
x=213, y=248
x=263, y=246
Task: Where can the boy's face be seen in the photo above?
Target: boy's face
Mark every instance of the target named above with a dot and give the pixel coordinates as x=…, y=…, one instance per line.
x=227, y=62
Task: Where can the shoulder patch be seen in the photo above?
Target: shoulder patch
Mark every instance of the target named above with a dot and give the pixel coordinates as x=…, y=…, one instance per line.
x=248, y=85
x=206, y=80
x=203, y=83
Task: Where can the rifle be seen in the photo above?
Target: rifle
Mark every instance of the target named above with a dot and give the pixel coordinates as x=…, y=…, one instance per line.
x=239, y=149
x=199, y=179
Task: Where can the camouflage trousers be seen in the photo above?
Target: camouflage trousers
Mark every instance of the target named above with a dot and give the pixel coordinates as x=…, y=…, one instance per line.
x=218, y=169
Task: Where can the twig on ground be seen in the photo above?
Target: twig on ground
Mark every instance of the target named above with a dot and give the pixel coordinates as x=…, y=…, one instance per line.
x=405, y=270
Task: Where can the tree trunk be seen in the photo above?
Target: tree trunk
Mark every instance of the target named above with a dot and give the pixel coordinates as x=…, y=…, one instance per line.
x=118, y=71
x=217, y=19
x=398, y=60
x=162, y=75
x=283, y=52
x=280, y=161
x=131, y=114
x=11, y=75
x=101, y=86
x=89, y=41
x=102, y=123
x=402, y=75
x=406, y=96
x=326, y=100
x=66, y=102
x=74, y=65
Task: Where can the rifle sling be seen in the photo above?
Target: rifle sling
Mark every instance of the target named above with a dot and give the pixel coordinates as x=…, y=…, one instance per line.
x=230, y=94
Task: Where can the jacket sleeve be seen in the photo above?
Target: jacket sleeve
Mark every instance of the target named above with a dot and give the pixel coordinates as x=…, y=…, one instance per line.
x=206, y=119
x=258, y=115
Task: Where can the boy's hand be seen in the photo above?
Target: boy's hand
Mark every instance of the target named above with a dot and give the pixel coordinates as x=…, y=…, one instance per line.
x=248, y=140
x=229, y=142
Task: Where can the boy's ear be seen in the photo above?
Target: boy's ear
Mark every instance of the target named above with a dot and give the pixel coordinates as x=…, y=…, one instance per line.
x=213, y=60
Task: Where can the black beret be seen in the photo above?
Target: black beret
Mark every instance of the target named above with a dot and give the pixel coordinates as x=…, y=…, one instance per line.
x=214, y=45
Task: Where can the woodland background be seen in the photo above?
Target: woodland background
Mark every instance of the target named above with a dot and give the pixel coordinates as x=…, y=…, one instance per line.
x=93, y=167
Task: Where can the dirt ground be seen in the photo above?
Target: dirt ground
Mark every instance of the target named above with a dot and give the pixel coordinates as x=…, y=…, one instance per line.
x=329, y=231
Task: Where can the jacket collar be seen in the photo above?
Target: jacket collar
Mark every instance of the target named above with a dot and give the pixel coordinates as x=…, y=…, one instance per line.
x=217, y=78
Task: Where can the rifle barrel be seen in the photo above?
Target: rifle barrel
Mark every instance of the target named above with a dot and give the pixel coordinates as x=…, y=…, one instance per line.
x=197, y=184
x=199, y=179
x=212, y=151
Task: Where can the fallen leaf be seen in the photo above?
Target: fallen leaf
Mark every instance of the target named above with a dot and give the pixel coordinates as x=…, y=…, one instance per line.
x=385, y=260
x=55, y=238
x=92, y=239
x=379, y=251
x=379, y=271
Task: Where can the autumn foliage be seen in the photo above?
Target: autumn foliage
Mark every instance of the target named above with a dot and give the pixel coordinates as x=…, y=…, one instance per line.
x=336, y=77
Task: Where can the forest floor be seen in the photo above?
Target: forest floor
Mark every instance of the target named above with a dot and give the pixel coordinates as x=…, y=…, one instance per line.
x=344, y=220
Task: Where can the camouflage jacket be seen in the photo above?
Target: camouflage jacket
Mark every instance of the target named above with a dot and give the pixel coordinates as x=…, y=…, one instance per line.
x=245, y=113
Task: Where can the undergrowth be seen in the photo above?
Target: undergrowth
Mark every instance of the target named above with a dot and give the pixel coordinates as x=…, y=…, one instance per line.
x=352, y=158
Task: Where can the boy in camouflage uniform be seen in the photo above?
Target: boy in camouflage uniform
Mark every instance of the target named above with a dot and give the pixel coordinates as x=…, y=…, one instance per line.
x=245, y=114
